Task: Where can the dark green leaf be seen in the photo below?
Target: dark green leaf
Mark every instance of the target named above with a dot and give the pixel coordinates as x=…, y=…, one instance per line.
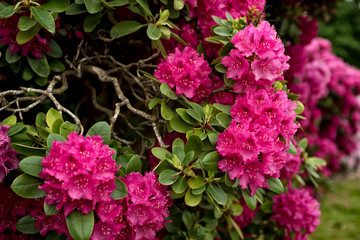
x=166, y=111
x=250, y=200
x=7, y=11
x=16, y=129
x=162, y=166
x=102, y=129
x=75, y=9
x=153, y=32
x=39, y=65
x=44, y=18
x=198, y=109
x=55, y=49
x=275, y=185
x=199, y=190
x=166, y=90
x=23, y=37
x=31, y=165
x=66, y=128
x=194, y=144
x=210, y=162
x=28, y=187
x=41, y=81
x=223, y=108
x=145, y=6
x=93, y=6
x=225, y=50
x=26, y=225
x=27, y=150
x=292, y=149
x=50, y=209
x=56, y=65
x=121, y=190
x=180, y=125
x=220, y=68
x=91, y=21
x=213, y=137
x=196, y=182
x=27, y=73
x=185, y=116
x=191, y=199
x=25, y=23
x=134, y=165
x=56, y=5
x=124, y=28
x=223, y=119
x=217, y=194
x=80, y=225
x=118, y=3
x=180, y=185
x=168, y=177
x=52, y=137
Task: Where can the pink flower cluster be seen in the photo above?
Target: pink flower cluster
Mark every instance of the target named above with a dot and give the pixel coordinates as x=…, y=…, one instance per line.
x=298, y=212
x=78, y=173
x=8, y=32
x=254, y=144
x=259, y=56
x=138, y=216
x=185, y=71
x=292, y=165
x=8, y=159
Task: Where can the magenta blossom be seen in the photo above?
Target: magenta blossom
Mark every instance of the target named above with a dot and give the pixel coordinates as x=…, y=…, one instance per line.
x=8, y=159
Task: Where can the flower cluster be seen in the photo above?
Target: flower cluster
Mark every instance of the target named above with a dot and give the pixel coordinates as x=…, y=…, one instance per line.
x=292, y=165
x=259, y=55
x=298, y=212
x=8, y=159
x=78, y=173
x=254, y=144
x=186, y=71
x=8, y=31
x=140, y=215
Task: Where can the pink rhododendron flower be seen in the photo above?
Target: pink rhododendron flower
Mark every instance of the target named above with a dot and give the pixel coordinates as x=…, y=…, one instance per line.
x=8, y=159
x=251, y=146
x=138, y=216
x=185, y=71
x=297, y=211
x=78, y=173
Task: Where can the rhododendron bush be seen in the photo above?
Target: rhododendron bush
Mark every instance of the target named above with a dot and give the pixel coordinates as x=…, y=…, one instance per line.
x=135, y=119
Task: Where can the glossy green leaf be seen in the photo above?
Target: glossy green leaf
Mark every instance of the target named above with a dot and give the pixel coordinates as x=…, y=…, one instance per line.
x=55, y=49
x=166, y=111
x=16, y=129
x=7, y=11
x=66, y=128
x=154, y=102
x=52, y=137
x=168, y=177
x=275, y=185
x=56, y=5
x=292, y=149
x=91, y=21
x=39, y=65
x=56, y=65
x=27, y=74
x=23, y=37
x=31, y=165
x=25, y=23
x=27, y=150
x=194, y=144
x=223, y=108
x=210, y=162
x=153, y=32
x=134, y=165
x=124, y=28
x=144, y=4
x=167, y=91
x=217, y=194
x=192, y=200
x=9, y=121
x=185, y=116
x=223, y=119
x=44, y=18
x=250, y=200
x=50, y=209
x=223, y=31
x=80, y=225
x=180, y=125
x=196, y=182
x=121, y=190
x=118, y=3
x=51, y=116
x=180, y=185
x=26, y=225
x=27, y=186
x=102, y=129
x=199, y=190
x=160, y=153
x=93, y=6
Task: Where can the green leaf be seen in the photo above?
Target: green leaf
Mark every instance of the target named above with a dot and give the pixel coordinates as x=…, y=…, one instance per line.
x=250, y=200
x=55, y=49
x=118, y=3
x=102, y=129
x=56, y=5
x=223, y=108
x=303, y=143
x=299, y=108
x=180, y=185
x=16, y=129
x=167, y=91
x=145, y=6
x=178, y=4
x=91, y=21
x=153, y=32
x=51, y=116
x=50, y=209
x=75, y=9
x=217, y=194
x=27, y=74
x=210, y=162
x=275, y=185
x=185, y=116
x=292, y=149
x=223, y=31
x=80, y=225
x=160, y=153
x=166, y=111
x=180, y=125
x=56, y=126
x=23, y=37
x=41, y=81
x=162, y=166
x=194, y=144
x=66, y=128
x=9, y=121
x=39, y=65
x=124, y=28
x=165, y=32
x=93, y=6
x=223, y=119
x=198, y=109
x=56, y=65
x=26, y=225
x=7, y=11
x=220, y=68
x=153, y=102
x=44, y=18
x=27, y=150
x=213, y=137
x=27, y=186
x=199, y=190
x=196, y=182
x=168, y=177
x=225, y=50
x=192, y=200
x=134, y=165
x=25, y=23
x=121, y=190
x=31, y=165
x=52, y=137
